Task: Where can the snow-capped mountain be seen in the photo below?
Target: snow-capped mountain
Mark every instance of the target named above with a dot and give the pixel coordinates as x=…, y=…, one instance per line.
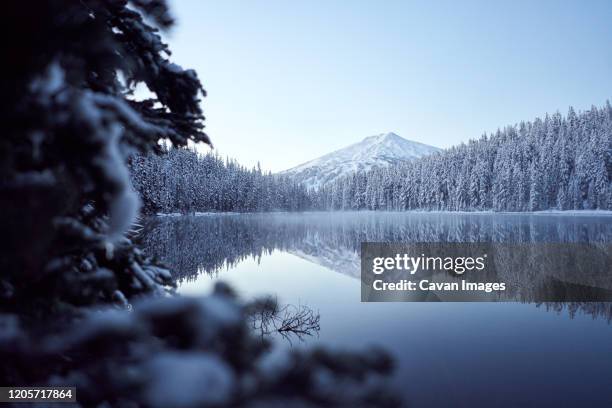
x=373, y=151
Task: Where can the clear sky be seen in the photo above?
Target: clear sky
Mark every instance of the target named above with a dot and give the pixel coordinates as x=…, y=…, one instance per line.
x=288, y=81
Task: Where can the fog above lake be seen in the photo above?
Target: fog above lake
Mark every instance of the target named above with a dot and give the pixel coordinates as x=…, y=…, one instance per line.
x=199, y=246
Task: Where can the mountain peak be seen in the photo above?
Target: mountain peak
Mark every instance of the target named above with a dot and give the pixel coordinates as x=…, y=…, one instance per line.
x=384, y=136
x=380, y=150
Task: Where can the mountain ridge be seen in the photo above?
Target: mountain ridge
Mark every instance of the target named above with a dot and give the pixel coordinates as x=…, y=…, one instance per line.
x=380, y=150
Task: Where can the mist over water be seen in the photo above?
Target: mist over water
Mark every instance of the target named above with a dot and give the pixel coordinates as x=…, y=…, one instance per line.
x=496, y=354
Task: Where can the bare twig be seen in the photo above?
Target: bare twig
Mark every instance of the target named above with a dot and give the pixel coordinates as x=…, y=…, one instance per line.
x=290, y=321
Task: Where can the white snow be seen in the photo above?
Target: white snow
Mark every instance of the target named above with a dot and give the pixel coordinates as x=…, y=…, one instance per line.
x=380, y=150
x=178, y=379
x=52, y=81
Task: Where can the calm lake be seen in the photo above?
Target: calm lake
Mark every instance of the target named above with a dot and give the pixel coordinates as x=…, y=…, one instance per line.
x=447, y=354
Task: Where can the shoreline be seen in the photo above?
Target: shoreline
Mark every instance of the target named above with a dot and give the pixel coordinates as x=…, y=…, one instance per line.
x=578, y=213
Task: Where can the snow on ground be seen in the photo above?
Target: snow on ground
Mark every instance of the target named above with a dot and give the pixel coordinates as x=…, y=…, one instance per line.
x=574, y=212
x=545, y=212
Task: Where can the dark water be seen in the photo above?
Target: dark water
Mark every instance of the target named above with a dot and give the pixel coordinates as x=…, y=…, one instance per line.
x=448, y=354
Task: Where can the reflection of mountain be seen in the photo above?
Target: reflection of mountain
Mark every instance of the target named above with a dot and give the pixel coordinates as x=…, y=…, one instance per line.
x=336, y=258
x=194, y=245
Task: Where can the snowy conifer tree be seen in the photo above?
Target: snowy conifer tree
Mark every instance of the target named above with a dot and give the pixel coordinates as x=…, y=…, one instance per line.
x=70, y=121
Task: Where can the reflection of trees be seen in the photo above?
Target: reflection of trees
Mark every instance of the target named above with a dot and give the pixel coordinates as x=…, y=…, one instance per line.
x=208, y=244
x=598, y=310
x=543, y=271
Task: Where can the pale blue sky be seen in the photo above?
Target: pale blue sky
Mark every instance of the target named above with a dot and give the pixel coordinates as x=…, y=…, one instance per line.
x=288, y=81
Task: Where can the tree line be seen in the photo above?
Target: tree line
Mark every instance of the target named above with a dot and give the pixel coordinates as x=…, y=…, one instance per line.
x=558, y=162
x=562, y=163
x=186, y=181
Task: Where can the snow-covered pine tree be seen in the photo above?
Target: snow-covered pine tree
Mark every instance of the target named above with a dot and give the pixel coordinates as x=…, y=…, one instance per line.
x=70, y=120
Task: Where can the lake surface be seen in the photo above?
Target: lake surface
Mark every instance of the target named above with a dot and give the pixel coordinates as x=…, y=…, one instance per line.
x=447, y=354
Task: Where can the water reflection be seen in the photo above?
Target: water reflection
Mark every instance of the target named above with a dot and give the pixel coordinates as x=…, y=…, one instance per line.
x=208, y=244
